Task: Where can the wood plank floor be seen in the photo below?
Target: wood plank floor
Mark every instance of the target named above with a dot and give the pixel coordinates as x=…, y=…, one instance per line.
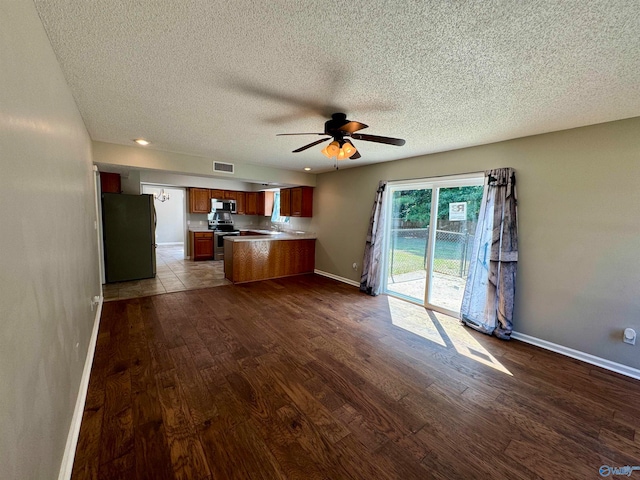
x=307, y=378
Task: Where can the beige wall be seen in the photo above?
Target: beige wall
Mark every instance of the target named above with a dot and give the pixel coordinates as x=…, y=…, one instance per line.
x=48, y=259
x=579, y=222
x=110, y=154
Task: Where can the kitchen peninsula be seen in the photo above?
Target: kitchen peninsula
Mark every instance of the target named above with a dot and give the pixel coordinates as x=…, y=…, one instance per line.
x=248, y=258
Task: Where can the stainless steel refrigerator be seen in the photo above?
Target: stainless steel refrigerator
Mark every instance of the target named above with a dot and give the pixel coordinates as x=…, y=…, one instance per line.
x=129, y=233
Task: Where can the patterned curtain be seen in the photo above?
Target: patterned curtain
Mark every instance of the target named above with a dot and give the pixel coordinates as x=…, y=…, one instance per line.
x=370, y=281
x=489, y=293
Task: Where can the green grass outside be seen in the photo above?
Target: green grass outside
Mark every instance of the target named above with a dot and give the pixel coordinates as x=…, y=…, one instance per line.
x=408, y=256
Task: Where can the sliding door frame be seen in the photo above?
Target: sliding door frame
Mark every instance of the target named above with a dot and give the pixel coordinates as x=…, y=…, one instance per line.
x=434, y=184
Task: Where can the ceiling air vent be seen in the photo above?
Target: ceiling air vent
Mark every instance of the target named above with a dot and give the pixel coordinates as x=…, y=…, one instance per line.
x=223, y=167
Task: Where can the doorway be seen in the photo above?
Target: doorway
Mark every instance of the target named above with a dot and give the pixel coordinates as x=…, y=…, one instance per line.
x=170, y=214
x=429, y=239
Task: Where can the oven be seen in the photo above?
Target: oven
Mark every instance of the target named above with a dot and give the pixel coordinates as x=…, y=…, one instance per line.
x=218, y=243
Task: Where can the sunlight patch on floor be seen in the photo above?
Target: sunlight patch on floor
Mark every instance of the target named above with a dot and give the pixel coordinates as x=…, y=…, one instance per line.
x=441, y=329
x=465, y=344
x=414, y=319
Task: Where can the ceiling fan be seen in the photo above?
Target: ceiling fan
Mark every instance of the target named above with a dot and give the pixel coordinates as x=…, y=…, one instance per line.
x=338, y=128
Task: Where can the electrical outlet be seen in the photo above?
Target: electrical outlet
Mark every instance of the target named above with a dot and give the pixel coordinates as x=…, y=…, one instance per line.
x=629, y=336
x=354, y=266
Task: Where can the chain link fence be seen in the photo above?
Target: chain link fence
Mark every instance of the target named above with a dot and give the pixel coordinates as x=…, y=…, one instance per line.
x=408, y=251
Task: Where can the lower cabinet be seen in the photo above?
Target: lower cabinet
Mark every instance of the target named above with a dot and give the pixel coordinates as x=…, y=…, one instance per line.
x=202, y=245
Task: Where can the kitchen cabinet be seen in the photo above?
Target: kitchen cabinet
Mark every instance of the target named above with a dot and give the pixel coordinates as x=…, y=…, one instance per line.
x=199, y=200
x=110, y=182
x=217, y=194
x=230, y=195
x=265, y=203
x=251, y=207
x=202, y=245
x=285, y=202
x=241, y=198
x=296, y=202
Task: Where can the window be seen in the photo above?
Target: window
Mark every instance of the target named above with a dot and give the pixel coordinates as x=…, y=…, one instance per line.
x=275, y=216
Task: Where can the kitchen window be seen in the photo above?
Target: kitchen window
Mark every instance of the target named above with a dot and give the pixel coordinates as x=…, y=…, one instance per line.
x=275, y=216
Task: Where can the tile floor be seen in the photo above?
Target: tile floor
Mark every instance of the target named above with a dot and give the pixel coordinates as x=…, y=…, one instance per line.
x=174, y=273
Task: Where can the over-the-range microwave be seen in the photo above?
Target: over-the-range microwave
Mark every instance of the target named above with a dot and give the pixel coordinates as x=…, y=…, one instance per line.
x=223, y=205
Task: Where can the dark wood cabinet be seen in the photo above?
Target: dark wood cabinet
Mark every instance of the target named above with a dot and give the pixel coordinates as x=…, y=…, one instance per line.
x=218, y=194
x=285, y=202
x=202, y=245
x=241, y=199
x=251, y=207
x=265, y=203
x=199, y=200
x=296, y=202
x=110, y=182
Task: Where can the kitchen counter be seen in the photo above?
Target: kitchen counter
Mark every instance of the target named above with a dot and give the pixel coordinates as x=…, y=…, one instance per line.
x=199, y=228
x=270, y=235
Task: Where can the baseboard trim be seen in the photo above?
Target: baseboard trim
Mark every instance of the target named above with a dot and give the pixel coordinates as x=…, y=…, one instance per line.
x=578, y=355
x=66, y=467
x=170, y=244
x=336, y=277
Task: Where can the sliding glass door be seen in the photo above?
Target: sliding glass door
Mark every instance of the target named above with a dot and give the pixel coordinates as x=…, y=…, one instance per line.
x=429, y=240
x=408, y=241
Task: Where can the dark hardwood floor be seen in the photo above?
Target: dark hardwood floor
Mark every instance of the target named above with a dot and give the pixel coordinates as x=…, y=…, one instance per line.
x=307, y=378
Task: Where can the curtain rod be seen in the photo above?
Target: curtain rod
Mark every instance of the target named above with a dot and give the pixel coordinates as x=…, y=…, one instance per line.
x=481, y=172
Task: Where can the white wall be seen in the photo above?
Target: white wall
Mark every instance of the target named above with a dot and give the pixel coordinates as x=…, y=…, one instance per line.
x=579, y=228
x=49, y=257
x=170, y=214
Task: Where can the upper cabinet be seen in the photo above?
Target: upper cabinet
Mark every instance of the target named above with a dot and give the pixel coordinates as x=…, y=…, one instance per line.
x=199, y=200
x=285, y=202
x=241, y=202
x=251, y=206
x=110, y=182
x=247, y=203
x=265, y=203
x=296, y=202
x=218, y=194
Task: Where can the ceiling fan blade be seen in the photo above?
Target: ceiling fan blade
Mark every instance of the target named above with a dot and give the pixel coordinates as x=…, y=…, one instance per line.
x=314, y=133
x=355, y=156
x=352, y=127
x=311, y=145
x=375, y=138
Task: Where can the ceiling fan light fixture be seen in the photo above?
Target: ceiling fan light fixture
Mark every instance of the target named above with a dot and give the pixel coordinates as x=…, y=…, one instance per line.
x=349, y=149
x=331, y=150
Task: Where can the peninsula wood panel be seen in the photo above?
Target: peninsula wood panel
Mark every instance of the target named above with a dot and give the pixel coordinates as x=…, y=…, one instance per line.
x=263, y=259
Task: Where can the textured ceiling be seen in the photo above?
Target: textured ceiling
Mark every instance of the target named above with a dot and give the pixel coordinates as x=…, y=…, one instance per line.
x=221, y=78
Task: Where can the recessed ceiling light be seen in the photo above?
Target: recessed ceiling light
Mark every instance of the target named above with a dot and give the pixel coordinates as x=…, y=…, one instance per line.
x=307, y=169
x=141, y=141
